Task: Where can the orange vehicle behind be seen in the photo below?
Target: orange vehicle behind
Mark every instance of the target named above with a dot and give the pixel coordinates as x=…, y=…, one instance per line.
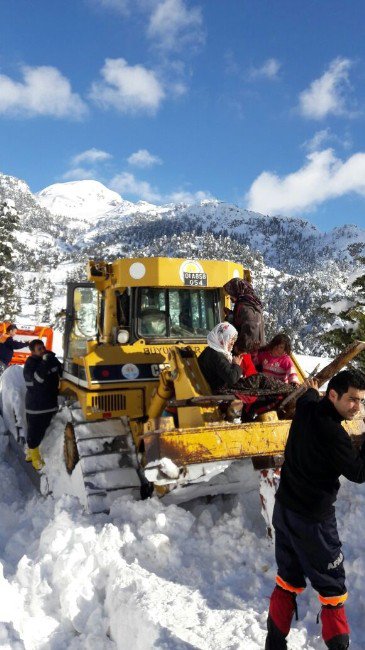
x=27, y=333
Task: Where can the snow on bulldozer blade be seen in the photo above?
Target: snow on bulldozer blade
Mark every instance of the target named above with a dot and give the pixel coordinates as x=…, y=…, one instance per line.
x=201, y=479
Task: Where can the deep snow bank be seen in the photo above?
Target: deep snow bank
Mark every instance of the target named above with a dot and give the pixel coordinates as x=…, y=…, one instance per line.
x=149, y=575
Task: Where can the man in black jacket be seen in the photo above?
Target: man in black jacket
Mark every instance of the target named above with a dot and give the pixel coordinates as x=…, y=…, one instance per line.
x=42, y=372
x=307, y=544
x=8, y=346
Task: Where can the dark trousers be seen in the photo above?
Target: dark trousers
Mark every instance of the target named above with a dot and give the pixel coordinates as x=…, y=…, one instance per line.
x=37, y=424
x=309, y=549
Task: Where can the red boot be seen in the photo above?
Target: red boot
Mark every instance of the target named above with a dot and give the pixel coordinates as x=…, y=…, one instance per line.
x=335, y=628
x=281, y=611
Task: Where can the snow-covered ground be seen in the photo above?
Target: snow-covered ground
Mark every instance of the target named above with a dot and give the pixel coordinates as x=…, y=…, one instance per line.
x=151, y=576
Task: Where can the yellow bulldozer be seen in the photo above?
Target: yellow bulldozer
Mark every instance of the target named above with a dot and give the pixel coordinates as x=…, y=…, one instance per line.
x=138, y=414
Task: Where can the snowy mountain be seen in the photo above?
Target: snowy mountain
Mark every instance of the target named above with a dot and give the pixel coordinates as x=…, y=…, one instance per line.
x=81, y=201
x=291, y=244
x=296, y=267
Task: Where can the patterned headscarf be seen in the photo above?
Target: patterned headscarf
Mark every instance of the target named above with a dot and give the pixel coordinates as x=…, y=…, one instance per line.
x=219, y=338
x=242, y=290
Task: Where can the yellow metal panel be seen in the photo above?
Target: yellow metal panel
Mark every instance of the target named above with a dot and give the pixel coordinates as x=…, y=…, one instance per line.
x=169, y=272
x=220, y=442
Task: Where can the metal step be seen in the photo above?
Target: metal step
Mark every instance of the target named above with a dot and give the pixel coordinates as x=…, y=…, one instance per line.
x=111, y=480
x=103, y=445
x=104, y=462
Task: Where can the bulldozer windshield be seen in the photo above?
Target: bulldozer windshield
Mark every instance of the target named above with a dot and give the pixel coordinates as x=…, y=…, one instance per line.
x=177, y=313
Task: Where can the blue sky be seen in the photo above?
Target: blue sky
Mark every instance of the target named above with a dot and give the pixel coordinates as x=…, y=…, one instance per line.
x=254, y=102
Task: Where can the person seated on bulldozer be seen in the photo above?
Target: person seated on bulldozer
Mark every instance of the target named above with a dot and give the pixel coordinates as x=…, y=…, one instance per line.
x=224, y=372
x=42, y=372
x=274, y=360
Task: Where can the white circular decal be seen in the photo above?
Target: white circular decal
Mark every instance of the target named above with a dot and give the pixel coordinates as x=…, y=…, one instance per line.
x=130, y=371
x=190, y=266
x=137, y=270
x=236, y=273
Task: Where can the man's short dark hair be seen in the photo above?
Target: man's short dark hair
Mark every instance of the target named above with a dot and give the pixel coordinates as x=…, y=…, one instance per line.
x=346, y=379
x=11, y=327
x=35, y=342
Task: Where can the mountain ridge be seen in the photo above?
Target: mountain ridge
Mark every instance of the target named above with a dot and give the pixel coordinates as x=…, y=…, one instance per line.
x=296, y=268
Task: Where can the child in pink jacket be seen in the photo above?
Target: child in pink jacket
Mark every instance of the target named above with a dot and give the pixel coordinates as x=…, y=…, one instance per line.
x=274, y=360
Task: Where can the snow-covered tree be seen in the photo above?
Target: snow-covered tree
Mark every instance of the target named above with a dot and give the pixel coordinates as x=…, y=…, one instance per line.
x=349, y=324
x=9, y=223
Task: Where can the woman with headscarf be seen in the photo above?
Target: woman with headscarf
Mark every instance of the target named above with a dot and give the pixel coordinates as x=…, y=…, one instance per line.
x=224, y=370
x=218, y=365
x=247, y=313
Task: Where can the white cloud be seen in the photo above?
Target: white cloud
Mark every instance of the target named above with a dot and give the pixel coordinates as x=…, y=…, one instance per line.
x=326, y=95
x=91, y=156
x=183, y=196
x=322, y=177
x=143, y=158
x=43, y=91
x=173, y=25
x=319, y=138
x=79, y=174
x=127, y=88
x=127, y=183
x=269, y=70
x=326, y=135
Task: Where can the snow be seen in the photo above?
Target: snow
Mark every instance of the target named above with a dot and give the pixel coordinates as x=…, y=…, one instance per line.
x=149, y=575
x=84, y=200
x=12, y=396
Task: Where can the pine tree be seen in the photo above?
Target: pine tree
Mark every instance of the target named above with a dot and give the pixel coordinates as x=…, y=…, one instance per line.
x=9, y=298
x=350, y=323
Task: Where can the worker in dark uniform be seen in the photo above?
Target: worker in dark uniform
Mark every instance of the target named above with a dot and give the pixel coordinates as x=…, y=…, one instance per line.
x=42, y=372
x=307, y=544
x=8, y=346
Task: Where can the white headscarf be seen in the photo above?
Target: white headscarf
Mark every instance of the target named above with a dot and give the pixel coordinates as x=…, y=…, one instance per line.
x=219, y=338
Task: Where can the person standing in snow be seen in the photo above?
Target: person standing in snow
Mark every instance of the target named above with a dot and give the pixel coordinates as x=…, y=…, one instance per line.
x=247, y=313
x=307, y=545
x=42, y=372
x=8, y=346
x=274, y=360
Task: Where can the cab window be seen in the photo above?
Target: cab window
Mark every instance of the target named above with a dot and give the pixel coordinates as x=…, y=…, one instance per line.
x=177, y=313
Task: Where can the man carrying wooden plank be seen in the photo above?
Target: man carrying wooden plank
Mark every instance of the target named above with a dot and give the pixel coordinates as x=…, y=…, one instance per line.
x=307, y=544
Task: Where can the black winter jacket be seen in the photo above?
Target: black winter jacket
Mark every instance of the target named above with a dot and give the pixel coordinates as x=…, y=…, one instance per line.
x=217, y=370
x=248, y=320
x=317, y=453
x=42, y=379
x=7, y=349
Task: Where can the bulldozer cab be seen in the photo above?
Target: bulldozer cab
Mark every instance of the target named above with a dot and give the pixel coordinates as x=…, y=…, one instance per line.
x=116, y=309
x=150, y=313
x=122, y=322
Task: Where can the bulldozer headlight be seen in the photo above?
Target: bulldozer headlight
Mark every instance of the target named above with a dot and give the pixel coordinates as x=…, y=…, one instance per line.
x=123, y=337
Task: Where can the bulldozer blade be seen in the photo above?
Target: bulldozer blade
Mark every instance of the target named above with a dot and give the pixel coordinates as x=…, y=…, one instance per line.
x=217, y=443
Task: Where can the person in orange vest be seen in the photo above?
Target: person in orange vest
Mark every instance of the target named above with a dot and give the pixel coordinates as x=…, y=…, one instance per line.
x=8, y=346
